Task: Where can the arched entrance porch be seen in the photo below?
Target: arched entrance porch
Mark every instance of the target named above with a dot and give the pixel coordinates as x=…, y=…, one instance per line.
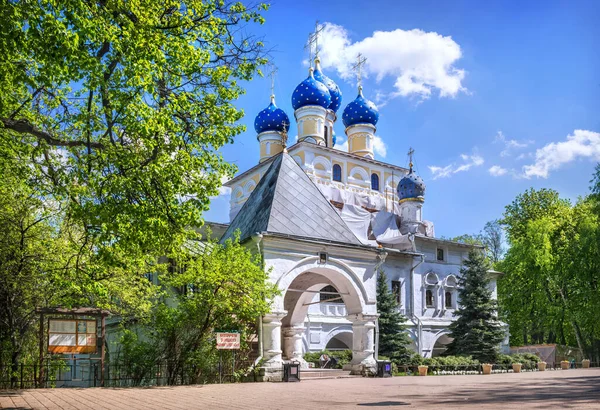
x=440, y=345
x=284, y=327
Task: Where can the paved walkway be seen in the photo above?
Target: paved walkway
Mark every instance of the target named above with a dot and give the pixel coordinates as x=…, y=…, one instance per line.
x=576, y=389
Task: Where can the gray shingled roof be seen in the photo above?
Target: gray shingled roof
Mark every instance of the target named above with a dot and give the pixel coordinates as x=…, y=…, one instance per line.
x=286, y=201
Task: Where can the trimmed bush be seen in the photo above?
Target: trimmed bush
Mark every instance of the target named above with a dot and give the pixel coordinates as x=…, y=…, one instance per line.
x=342, y=357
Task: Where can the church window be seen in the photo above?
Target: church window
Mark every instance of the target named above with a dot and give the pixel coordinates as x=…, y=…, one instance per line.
x=326, y=135
x=331, y=295
x=440, y=254
x=337, y=173
x=429, y=298
x=448, y=299
x=397, y=291
x=375, y=182
x=268, y=148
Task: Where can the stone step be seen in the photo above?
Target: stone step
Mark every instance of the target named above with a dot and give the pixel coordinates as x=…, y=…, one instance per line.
x=316, y=374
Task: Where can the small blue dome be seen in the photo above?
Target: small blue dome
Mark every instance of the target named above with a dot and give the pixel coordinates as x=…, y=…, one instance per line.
x=360, y=111
x=311, y=92
x=272, y=119
x=334, y=90
x=411, y=186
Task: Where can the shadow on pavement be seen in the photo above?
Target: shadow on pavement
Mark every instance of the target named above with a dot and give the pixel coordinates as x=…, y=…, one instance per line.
x=384, y=404
x=569, y=392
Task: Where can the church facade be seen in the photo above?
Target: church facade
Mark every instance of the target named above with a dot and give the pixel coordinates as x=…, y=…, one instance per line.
x=326, y=221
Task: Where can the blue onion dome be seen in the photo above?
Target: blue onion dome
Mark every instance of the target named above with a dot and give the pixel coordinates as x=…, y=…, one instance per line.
x=311, y=92
x=272, y=119
x=360, y=111
x=411, y=186
x=334, y=90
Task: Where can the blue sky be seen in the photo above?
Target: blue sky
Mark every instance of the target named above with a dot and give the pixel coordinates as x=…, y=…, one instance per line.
x=489, y=95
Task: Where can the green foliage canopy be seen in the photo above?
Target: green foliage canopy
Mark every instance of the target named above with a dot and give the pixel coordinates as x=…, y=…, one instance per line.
x=550, y=293
x=218, y=287
x=119, y=107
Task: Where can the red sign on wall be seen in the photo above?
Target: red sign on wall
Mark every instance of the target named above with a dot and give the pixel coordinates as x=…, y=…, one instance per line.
x=227, y=341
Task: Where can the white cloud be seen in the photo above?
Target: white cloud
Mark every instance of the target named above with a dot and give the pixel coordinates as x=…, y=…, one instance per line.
x=419, y=62
x=497, y=171
x=582, y=144
x=469, y=161
x=510, y=145
x=379, y=146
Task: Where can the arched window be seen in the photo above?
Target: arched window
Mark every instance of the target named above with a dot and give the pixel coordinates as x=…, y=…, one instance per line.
x=429, y=298
x=326, y=135
x=375, y=182
x=337, y=173
x=331, y=295
x=268, y=148
x=448, y=299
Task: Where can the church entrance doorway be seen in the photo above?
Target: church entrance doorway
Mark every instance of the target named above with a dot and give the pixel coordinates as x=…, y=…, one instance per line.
x=440, y=345
x=316, y=287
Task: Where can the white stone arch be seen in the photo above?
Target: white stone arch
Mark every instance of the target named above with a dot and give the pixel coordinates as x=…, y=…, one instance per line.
x=285, y=325
x=431, y=279
x=339, y=331
x=451, y=281
x=249, y=187
x=321, y=160
x=450, y=286
x=364, y=175
x=443, y=337
x=431, y=282
x=338, y=270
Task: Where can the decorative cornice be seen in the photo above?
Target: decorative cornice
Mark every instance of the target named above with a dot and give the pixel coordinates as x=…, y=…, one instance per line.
x=417, y=199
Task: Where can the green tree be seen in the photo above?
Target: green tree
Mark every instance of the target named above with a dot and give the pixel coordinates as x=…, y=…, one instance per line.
x=31, y=263
x=218, y=287
x=120, y=109
x=393, y=337
x=553, y=259
x=476, y=331
x=492, y=239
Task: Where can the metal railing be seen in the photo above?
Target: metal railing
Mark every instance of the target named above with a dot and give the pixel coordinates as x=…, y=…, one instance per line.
x=87, y=373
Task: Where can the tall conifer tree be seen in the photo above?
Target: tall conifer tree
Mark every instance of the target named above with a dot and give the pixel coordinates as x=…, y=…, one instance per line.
x=393, y=338
x=476, y=331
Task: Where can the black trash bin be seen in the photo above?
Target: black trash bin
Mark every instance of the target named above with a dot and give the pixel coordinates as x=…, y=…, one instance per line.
x=384, y=368
x=291, y=372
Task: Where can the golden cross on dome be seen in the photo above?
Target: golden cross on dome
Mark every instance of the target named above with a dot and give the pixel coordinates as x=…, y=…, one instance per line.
x=410, y=156
x=313, y=39
x=360, y=62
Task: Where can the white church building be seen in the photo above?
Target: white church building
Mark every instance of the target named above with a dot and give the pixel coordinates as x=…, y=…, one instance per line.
x=326, y=221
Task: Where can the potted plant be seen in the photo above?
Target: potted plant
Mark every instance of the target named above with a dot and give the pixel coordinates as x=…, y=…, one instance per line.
x=541, y=366
x=564, y=364
x=585, y=363
x=423, y=370
x=517, y=367
x=487, y=368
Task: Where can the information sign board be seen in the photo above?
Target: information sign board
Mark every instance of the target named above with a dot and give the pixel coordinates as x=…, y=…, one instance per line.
x=71, y=336
x=227, y=341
